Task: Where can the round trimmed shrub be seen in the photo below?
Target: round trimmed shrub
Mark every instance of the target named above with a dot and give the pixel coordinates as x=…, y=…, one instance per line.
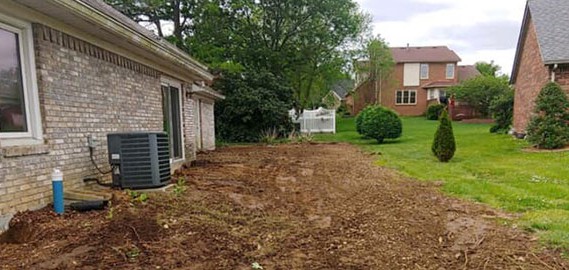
x=380, y=123
x=434, y=111
x=360, y=119
x=444, y=144
x=548, y=129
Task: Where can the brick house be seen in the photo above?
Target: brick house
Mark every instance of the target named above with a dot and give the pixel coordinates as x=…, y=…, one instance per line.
x=420, y=77
x=542, y=55
x=71, y=69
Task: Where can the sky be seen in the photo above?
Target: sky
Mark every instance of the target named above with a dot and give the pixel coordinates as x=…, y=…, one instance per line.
x=477, y=30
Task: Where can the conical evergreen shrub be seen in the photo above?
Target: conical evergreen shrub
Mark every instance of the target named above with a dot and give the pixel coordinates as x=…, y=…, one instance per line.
x=444, y=145
x=548, y=127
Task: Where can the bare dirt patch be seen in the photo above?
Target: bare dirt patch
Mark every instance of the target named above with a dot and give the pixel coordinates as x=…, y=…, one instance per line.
x=286, y=207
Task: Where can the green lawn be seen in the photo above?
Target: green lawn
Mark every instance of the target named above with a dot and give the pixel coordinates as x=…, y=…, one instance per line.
x=487, y=168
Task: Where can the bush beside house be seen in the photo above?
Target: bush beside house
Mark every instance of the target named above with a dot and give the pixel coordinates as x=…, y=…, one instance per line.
x=502, y=109
x=255, y=102
x=434, y=111
x=548, y=128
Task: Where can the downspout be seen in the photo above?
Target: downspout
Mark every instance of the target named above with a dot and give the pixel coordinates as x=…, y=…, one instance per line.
x=553, y=73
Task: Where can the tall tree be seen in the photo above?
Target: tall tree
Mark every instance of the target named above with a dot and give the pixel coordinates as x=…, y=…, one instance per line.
x=378, y=64
x=488, y=69
x=159, y=14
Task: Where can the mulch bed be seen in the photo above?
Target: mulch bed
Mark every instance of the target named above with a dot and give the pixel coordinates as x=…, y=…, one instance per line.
x=309, y=206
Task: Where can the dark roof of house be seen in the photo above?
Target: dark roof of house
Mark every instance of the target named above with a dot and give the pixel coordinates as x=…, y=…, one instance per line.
x=429, y=54
x=467, y=72
x=551, y=21
x=343, y=87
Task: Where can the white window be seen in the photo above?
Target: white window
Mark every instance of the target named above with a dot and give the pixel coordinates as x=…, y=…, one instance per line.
x=411, y=74
x=20, y=120
x=406, y=97
x=432, y=94
x=450, y=71
x=424, y=71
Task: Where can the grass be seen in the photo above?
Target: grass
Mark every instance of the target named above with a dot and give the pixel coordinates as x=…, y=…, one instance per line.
x=487, y=168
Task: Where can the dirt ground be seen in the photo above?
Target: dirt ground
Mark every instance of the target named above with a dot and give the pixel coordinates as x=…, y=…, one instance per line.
x=309, y=206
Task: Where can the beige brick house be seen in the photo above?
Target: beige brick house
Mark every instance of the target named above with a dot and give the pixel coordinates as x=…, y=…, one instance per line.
x=70, y=69
x=421, y=75
x=542, y=55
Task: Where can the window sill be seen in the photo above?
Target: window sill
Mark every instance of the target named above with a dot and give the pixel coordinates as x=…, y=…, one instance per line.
x=414, y=104
x=22, y=147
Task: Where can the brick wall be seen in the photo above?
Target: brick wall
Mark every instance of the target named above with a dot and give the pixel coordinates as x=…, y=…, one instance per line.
x=531, y=76
x=83, y=90
x=366, y=94
x=189, y=126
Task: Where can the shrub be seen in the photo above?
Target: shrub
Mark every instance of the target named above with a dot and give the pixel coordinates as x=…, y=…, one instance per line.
x=254, y=102
x=502, y=109
x=360, y=119
x=548, y=129
x=434, y=111
x=380, y=123
x=444, y=145
x=479, y=91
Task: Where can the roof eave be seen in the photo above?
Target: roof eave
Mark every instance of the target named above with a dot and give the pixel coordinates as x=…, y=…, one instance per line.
x=523, y=32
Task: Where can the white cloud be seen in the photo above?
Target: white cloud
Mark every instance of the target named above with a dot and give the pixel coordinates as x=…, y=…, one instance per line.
x=459, y=24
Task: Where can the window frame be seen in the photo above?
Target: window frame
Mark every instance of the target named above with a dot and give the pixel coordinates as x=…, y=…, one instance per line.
x=421, y=71
x=453, y=71
x=168, y=82
x=34, y=133
x=408, y=91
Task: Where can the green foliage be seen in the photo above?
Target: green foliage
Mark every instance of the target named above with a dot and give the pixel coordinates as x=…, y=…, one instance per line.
x=342, y=111
x=502, y=109
x=434, y=111
x=269, y=136
x=180, y=186
x=254, y=102
x=548, y=128
x=360, y=119
x=380, y=123
x=487, y=69
x=136, y=197
x=444, y=145
x=479, y=92
x=110, y=211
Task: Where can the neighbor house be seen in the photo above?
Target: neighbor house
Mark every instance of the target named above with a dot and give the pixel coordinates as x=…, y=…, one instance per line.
x=337, y=94
x=542, y=56
x=75, y=69
x=420, y=77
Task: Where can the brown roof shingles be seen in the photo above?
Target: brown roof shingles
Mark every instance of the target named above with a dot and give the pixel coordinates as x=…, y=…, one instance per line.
x=467, y=72
x=429, y=54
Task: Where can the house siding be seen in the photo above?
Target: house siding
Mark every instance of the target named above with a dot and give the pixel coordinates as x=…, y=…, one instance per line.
x=390, y=86
x=531, y=76
x=83, y=90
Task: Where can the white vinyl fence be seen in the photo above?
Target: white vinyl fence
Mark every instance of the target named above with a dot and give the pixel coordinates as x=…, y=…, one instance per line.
x=316, y=121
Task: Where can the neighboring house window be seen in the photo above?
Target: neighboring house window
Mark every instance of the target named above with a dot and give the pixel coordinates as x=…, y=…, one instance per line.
x=432, y=94
x=172, y=112
x=424, y=71
x=406, y=97
x=411, y=74
x=19, y=103
x=450, y=71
